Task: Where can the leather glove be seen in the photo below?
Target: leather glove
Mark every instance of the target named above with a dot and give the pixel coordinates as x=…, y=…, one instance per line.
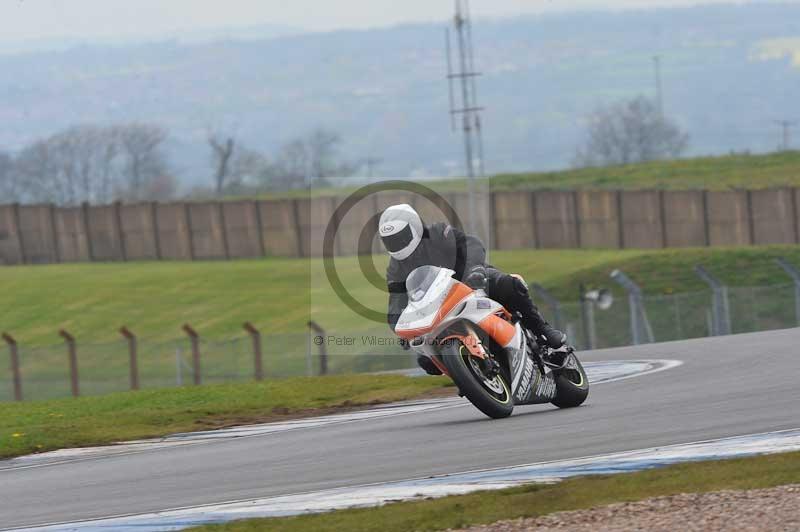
x=476, y=278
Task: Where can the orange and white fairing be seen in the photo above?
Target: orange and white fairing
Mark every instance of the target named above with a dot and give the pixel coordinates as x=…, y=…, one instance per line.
x=437, y=300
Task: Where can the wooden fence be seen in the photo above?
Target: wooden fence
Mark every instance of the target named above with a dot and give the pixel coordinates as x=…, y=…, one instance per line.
x=44, y=234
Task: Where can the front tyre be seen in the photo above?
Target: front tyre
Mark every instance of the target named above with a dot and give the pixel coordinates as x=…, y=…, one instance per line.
x=490, y=394
x=572, y=384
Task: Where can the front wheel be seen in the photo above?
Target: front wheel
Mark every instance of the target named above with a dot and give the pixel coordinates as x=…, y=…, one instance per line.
x=491, y=394
x=572, y=384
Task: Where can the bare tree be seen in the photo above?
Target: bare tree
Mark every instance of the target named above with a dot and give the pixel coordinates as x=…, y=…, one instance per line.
x=236, y=167
x=35, y=170
x=222, y=152
x=293, y=167
x=93, y=164
x=628, y=132
x=306, y=161
x=50, y=168
x=322, y=149
x=246, y=169
x=143, y=158
x=9, y=182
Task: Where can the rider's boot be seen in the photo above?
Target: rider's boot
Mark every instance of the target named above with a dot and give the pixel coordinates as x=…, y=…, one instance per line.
x=512, y=292
x=554, y=338
x=533, y=319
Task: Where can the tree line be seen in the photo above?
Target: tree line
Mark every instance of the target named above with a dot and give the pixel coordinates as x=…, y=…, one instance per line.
x=129, y=162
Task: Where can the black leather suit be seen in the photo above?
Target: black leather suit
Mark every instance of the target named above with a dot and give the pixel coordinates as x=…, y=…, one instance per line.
x=447, y=247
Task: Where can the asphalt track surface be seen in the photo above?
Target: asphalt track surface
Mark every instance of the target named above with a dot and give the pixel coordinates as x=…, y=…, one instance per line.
x=729, y=386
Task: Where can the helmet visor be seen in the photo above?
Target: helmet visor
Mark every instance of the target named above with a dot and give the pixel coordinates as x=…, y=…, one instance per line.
x=398, y=241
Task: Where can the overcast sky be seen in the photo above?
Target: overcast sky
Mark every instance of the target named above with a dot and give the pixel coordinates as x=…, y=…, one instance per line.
x=48, y=19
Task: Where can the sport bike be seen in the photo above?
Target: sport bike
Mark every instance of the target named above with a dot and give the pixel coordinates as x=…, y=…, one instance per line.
x=495, y=362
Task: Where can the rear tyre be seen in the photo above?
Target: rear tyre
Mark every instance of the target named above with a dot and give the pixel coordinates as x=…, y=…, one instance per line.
x=572, y=384
x=492, y=396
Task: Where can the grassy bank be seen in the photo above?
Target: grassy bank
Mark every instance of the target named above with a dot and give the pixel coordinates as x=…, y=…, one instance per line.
x=738, y=171
x=709, y=173
x=279, y=296
x=537, y=500
x=42, y=426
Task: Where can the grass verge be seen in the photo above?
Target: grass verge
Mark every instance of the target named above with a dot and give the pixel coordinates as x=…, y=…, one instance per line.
x=538, y=500
x=279, y=295
x=48, y=425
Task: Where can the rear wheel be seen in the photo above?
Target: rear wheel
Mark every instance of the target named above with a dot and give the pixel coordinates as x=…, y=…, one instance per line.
x=572, y=384
x=487, y=389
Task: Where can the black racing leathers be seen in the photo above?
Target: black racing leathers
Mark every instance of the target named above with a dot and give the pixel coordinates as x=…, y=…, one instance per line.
x=447, y=247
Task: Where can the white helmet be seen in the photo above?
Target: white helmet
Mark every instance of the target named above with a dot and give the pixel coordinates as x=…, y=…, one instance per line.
x=401, y=231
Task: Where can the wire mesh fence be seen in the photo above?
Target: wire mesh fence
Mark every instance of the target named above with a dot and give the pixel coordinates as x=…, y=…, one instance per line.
x=45, y=371
x=685, y=316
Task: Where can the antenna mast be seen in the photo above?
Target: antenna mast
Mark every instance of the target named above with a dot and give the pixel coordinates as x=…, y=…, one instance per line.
x=467, y=107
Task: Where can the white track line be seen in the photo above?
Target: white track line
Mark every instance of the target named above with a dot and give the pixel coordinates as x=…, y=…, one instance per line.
x=488, y=479
x=598, y=372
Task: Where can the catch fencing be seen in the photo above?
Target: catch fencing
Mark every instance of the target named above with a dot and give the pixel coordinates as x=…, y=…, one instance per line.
x=87, y=369
x=667, y=318
x=50, y=372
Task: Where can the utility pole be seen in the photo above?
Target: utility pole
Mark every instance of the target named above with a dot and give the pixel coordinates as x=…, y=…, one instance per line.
x=659, y=86
x=786, y=138
x=468, y=107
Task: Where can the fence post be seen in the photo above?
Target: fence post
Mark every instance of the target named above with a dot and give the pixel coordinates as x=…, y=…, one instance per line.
x=156, y=229
x=323, y=352
x=794, y=273
x=194, y=338
x=134, y=362
x=12, y=348
x=54, y=233
x=73, y=361
x=87, y=229
x=721, y=318
x=639, y=321
x=587, y=317
x=545, y=295
x=255, y=335
x=120, y=231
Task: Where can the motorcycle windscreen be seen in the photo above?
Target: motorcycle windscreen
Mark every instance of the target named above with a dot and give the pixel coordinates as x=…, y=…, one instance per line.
x=420, y=281
x=428, y=288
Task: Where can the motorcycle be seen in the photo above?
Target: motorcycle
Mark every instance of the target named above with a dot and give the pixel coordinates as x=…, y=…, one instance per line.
x=494, y=361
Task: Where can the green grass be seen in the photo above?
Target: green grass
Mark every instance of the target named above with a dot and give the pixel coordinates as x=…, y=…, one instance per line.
x=538, y=500
x=709, y=173
x=739, y=171
x=42, y=426
x=156, y=299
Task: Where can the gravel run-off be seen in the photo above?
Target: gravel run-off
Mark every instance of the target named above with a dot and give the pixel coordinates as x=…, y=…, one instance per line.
x=775, y=509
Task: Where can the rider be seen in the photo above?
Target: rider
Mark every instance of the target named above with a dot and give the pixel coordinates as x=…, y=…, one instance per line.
x=412, y=244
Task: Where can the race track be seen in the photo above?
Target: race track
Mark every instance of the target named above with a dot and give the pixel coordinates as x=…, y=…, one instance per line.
x=729, y=386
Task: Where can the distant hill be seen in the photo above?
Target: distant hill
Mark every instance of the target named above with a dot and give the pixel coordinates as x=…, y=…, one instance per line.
x=729, y=72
